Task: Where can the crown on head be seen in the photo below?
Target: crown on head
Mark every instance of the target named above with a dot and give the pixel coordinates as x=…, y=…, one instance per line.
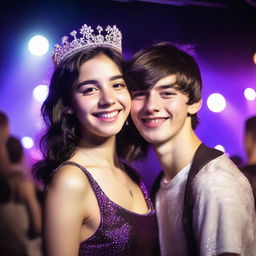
x=112, y=38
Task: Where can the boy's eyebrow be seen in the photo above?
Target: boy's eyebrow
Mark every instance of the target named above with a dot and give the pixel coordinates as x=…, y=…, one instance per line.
x=159, y=87
x=113, y=78
x=116, y=77
x=166, y=86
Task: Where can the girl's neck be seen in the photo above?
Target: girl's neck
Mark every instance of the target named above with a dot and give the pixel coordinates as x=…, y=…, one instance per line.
x=99, y=153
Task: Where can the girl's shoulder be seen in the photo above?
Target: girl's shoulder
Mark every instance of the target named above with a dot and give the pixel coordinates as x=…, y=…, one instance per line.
x=69, y=177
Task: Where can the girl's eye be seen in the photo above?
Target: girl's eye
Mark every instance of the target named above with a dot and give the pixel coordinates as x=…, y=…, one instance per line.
x=119, y=85
x=89, y=90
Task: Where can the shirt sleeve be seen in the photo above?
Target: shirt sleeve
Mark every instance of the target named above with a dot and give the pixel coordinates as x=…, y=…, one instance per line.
x=220, y=215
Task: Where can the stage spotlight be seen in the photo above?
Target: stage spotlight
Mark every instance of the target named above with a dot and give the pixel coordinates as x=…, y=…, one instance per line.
x=220, y=147
x=27, y=142
x=38, y=45
x=250, y=94
x=40, y=92
x=216, y=102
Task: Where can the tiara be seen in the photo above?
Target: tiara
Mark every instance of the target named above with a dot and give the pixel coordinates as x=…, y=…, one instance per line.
x=112, y=38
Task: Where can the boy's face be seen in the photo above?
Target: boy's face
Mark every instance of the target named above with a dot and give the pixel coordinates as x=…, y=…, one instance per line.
x=161, y=112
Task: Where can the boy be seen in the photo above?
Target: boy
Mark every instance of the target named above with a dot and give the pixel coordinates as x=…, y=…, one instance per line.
x=166, y=86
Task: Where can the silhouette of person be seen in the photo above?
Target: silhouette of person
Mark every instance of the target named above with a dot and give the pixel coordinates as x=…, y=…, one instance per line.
x=20, y=211
x=249, y=169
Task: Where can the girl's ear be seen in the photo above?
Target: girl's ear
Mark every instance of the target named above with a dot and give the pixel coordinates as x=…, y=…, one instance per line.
x=195, y=107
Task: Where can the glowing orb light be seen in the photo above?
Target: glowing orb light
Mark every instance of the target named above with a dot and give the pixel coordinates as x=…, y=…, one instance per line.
x=216, y=102
x=40, y=92
x=27, y=142
x=38, y=45
x=220, y=147
x=250, y=94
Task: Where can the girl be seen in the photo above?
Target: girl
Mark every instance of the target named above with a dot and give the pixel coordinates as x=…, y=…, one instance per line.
x=94, y=204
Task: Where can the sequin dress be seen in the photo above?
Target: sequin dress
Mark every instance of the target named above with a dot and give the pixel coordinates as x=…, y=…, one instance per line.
x=121, y=232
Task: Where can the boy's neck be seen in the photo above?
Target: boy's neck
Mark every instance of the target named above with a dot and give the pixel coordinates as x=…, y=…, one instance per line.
x=176, y=153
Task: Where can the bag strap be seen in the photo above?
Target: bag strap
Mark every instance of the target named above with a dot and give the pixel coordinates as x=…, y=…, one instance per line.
x=155, y=187
x=202, y=156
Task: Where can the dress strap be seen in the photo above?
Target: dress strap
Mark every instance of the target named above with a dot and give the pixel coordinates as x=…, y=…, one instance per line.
x=95, y=186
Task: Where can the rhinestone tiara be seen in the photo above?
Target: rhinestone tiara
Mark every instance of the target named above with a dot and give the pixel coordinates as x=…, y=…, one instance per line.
x=112, y=38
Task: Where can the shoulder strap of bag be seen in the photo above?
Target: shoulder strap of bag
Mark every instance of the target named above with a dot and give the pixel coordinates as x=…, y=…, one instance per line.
x=202, y=156
x=155, y=187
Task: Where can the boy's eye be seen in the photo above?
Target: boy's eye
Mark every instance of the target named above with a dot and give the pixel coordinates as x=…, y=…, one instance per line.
x=137, y=95
x=167, y=93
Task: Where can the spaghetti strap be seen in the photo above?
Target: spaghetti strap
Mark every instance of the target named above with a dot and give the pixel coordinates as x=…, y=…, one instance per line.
x=78, y=166
x=96, y=187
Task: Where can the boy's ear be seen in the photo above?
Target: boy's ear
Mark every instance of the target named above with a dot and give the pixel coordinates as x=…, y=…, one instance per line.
x=195, y=107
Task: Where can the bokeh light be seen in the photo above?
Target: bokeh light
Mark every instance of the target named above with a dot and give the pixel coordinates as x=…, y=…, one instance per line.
x=216, y=102
x=27, y=142
x=250, y=94
x=220, y=147
x=38, y=45
x=40, y=92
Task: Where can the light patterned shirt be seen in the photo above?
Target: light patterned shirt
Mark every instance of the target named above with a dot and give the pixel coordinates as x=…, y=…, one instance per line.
x=224, y=218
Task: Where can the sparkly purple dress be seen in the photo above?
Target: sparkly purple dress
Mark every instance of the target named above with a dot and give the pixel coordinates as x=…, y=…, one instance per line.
x=121, y=232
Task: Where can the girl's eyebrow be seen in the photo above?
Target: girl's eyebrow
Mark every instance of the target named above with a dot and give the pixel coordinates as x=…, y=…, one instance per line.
x=96, y=82
x=86, y=82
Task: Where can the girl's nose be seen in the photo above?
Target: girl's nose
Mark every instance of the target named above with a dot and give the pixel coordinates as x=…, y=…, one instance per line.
x=107, y=98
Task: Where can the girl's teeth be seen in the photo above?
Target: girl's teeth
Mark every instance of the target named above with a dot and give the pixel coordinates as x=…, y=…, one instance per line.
x=108, y=115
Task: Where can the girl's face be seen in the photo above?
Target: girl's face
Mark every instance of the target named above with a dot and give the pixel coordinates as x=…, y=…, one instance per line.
x=100, y=99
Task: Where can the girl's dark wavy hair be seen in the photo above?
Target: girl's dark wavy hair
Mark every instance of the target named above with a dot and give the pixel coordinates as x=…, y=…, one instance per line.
x=61, y=138
x=151, y=64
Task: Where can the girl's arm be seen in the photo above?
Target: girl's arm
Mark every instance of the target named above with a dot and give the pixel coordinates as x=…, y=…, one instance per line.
x=64, y=212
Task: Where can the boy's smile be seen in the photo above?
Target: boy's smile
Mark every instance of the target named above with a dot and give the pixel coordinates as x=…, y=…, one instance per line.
x=161, y=112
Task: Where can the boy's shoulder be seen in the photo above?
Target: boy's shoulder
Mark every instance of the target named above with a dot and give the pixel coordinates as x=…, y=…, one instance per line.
x=222, y=165
x=220, y=173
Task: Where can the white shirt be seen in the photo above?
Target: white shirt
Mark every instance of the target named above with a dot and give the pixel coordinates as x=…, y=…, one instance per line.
x=224, y=218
